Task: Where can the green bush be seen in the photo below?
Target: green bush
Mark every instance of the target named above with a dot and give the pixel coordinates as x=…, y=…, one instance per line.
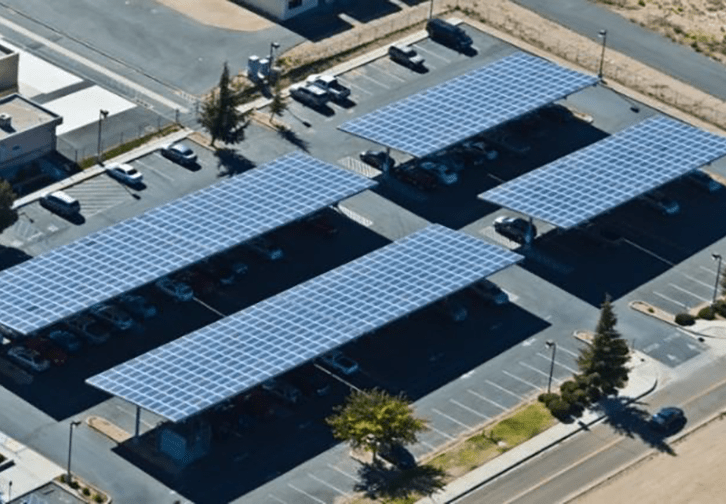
x=720, y=307
x=559, y=408
x=98, y=498
x=569, y=387
x=685, y=319
x=86, y=491
x=547, y=397
x=74, y=485
x=707, y=313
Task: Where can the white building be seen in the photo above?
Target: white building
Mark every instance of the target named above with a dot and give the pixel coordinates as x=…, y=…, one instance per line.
x=283, y=9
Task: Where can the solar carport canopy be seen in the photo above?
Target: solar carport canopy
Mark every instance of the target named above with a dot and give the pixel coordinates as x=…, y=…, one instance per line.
x=608, y=173
x=74, y=277
x=236, y=353
x=467, y=105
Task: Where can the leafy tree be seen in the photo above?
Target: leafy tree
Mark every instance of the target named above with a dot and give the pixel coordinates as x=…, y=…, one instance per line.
x=219, y=114
x=8, y=216
x=723, y=282
x=604, y=362
x=278, y=106
x=373, y=419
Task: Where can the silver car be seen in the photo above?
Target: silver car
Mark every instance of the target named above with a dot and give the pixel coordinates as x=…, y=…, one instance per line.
x=28, y=358
x=114, y=316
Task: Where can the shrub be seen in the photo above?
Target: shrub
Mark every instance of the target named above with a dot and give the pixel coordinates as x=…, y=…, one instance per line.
x=86, y=491
x=98, y=498
x=547, y=397
x=569, y=387
x=707, y=313
x=685, y=319
x=720, y=307
x=641, y=3
x=559, y=408
x=74, y=485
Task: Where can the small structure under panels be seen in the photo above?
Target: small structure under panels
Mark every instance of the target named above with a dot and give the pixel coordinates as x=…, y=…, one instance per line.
x=438, y=117
x=225, y=358
x=608, y=173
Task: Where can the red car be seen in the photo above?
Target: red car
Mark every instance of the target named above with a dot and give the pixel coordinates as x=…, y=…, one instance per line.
x=47, y=350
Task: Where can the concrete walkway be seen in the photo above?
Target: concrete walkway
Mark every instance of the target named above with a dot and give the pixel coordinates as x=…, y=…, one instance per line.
x=644, y=377
x=29, y=471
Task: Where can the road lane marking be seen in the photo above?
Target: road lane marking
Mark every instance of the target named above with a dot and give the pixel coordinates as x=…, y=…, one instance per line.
x=669, y=299
x=522, y=380
x=306, y=494
x=688, y=292
x=485, y=399
x=467, y=408
x=653, y=254
x=504, y=390
x=452, y=419
x=341, y=492
x=549, y=359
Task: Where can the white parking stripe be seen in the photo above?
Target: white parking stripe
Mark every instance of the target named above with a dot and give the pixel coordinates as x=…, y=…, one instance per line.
x=306, y=494
x=277, y=499
x=677, y=287
x=467, y=408
x=356, y=86
x=341, y=492
x=710, y=271
x=343, y=472
x=669, y=299
x=387, y=70
x=485, y=399
x=160, y=173
x=452, y=419
x=442, y=434
x=567, y=351
x=548, y=358
x=522, y=380
x=708, y=285
x=430, y=447
x=419, y=48
x=534, y=369
x=504, y=390
x=374, y=81
x=649, y=252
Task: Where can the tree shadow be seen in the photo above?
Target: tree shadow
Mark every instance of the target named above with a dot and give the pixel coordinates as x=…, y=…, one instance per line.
x=230, y=162
x=383, y=481
x=292, y=137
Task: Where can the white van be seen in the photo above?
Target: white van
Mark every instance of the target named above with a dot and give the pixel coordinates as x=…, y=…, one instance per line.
x=61, y=203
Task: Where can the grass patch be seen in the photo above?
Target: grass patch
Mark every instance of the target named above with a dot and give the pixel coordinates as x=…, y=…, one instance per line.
x=129, y=146
x=466, y=456
x=523, y=425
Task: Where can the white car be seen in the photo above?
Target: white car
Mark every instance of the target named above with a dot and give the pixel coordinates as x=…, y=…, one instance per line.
x=336, y=360
x=125, y=173
x=114, y=316
x=178, y=290
x=28, y=358
x=445, y=175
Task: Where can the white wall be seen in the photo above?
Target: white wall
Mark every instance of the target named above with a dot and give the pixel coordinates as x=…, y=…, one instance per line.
x=278, y=8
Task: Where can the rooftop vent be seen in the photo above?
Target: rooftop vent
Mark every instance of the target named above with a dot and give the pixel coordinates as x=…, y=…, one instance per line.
x=5, y=120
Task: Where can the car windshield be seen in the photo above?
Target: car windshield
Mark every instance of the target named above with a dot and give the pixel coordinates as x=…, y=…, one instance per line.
x=183, y=149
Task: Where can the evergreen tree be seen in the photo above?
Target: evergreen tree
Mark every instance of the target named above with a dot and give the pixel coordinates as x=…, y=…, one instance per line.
x=8, y=216
x=603, y=363
x=219, y=114
x=278, y=106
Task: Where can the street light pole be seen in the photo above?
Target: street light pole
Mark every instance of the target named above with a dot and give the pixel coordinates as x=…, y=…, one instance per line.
x=551, y=344
x=604, y=35
x=716, y=257
x=431, y=9
x=102, y=114
x=70, y=445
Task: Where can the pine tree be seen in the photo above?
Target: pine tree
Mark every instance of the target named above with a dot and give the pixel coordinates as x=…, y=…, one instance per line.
x=603, y=363
x=219, y=114
x=278, y=106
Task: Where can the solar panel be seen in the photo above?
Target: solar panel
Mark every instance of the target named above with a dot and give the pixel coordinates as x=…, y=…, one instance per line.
x=455, y=110
x=74, y=277
x=610, y=172
x=282, y=332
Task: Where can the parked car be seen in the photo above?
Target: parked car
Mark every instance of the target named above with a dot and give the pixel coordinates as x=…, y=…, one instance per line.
x=66, y=340
x=490, y=292
x=489, y=153
x=125, y=173
x=282, y=390
x=397, y=455
x=448, y=34
x=310, y=380
x=114, y=316
x=61, y=203
x=137, y=306
x=443, y=173
x=516, y=229
x=47, y=350
x=331, y=85
x=321, y=225
x=417, y=178
x=339, y=362
x=179, y=153
x=89, y=328
x=406, y=56
x=229, y=271
x=311, y=96
x=661, y=203
x=377, y=159
x=265, y=248
x=198, y=280
x=28, y=358
x=667, y=418
x=451, y=309
x=601, y=235
x=703, y=180
x=177, y=290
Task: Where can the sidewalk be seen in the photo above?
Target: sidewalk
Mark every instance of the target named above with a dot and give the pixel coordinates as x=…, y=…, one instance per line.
x=98, y=169
x=643, y=380
x=29, y=471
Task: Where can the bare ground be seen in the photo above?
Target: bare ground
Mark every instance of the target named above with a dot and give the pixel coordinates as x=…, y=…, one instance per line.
x=694, y=475
x=219, y=13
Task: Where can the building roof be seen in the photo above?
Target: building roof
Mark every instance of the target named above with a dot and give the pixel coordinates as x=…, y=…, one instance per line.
x=24, y=115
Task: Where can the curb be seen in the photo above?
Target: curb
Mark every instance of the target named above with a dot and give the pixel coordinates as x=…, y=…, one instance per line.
x=683, y=328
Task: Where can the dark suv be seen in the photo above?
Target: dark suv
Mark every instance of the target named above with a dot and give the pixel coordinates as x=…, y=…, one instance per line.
x=449, y=34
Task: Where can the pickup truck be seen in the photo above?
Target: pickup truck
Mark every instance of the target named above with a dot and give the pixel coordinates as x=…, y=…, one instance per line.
x=310, y=95
x=331, y=85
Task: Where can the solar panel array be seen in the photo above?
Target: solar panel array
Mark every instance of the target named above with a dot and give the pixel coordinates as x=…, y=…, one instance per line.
x=455, y=110
x=74, y=277
x=234, y=354
x=595, y=179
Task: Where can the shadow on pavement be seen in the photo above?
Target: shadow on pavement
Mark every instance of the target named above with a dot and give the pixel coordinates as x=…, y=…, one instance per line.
x=292, y=137
x=231, y=162
x=385, y=482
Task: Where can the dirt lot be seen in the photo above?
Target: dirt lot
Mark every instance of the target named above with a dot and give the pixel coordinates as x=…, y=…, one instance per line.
x=700, y=24
x=694, y=475
x=219, y=13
